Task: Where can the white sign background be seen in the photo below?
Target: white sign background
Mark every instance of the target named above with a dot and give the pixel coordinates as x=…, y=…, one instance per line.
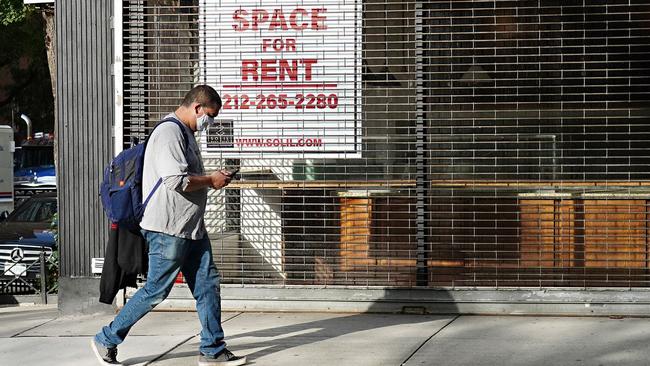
x=289, y=74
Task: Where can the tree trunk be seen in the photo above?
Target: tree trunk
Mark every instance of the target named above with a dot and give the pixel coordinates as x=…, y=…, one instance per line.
x=50, y=45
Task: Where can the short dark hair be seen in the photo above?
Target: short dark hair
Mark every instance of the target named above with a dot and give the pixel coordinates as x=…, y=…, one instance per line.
x=205, y=95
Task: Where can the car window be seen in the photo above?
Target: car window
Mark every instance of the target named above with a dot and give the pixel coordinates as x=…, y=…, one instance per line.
x=37, y=156
x=45, y=211
x=25, y=212
x=34, y=211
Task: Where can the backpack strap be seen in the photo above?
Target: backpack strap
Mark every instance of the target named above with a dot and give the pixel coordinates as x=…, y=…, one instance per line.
x=146, y=201
x=178, y=123
x=187, y=143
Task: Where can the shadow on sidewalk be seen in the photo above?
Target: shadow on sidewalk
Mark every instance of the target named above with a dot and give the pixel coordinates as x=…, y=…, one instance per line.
x=263, y=342
x=287, y=337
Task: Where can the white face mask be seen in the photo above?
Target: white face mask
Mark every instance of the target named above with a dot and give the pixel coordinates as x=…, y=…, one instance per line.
x=203, y=121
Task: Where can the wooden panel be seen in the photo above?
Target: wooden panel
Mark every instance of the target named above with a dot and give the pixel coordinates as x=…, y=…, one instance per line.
x=547, y=233
x=565, y=243
x=377, y=242
x=356, y=217
x=320, y=184
x=537, y=227
x=615, y=233
x=537, y=184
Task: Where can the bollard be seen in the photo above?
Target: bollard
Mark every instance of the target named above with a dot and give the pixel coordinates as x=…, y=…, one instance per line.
x=43, y=279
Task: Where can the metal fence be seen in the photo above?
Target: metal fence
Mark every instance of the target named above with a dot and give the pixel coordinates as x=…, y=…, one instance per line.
x=30, y=270
x=411, y=143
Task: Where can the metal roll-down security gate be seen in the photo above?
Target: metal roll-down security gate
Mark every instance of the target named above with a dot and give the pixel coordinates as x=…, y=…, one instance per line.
x=386, y=145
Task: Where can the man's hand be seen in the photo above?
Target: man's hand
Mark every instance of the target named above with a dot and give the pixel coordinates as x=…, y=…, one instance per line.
x=220, y=179
x=216, y=180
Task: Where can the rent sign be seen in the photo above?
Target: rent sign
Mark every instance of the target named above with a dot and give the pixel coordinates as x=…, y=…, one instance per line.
x=289, y=74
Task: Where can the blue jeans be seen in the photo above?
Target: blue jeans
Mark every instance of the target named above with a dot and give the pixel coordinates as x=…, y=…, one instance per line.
x=169, y=255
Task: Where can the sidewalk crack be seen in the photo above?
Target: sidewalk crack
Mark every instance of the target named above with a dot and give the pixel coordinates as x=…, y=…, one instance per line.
x=232, y=317
x=181, y=343
x=428, y=339
x=32, y=328
x=170, y=350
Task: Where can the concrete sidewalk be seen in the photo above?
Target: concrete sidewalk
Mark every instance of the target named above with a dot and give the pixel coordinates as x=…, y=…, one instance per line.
x=35, y=335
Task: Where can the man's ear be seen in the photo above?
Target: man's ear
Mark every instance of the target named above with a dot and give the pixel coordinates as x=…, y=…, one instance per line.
x=196, y=106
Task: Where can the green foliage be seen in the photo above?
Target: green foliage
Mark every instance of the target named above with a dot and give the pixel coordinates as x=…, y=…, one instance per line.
x=53, y=262
x=24, y=70
x=13, y=11
x=54, y=227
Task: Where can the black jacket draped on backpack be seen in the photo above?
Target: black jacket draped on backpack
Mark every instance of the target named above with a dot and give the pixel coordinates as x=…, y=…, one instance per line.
x=126, y=257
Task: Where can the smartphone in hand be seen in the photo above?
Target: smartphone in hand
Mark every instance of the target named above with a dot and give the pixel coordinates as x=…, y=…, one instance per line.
x=232, y=173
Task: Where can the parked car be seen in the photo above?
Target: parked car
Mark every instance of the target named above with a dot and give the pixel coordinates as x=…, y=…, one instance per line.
x=26, y=232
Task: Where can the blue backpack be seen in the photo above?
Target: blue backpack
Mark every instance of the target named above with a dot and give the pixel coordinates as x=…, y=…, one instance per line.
x=121, y=189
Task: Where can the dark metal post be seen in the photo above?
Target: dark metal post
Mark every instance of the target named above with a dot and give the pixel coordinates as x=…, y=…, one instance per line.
x=41, y=258
x=421, y=259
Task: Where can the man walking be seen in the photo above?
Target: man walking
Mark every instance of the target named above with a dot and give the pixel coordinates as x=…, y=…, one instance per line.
x=175, y=232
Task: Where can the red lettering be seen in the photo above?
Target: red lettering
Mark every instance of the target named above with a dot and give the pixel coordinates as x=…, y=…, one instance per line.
x=249, y=67
x=286, y=70
x=292, y=19
x=318, y=22
x=259, y=16
x=262, y=18
x=272, y=69
x=238, y=17
x=278, y=20
x=265, y=44
x=308, y=62
x=278, y=44
x=268, y=69
x=290, y=44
